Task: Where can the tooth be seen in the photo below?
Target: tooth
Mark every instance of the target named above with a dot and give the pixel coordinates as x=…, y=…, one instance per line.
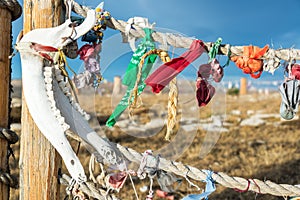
x=49, y=87
x=48, y=69
x=47, y=73
x=61, y=119
x=56, y=112
x=71, y=99
x=68, y=94
x=65, y=126
x=50, y=94
x=62, y=84
x=57, y=71
x=59, y=77
x=87, y=117
x=66, y=90
x=48, y=80
x=77, y=107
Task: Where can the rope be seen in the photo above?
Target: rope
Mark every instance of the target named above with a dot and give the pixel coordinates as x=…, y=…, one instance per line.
x=185, y=42
x=13, y=6
x=8, y=179
x=172, y=108
x=173, y=93
x=163, y=56
x=88, y=188
x=262, y=187
x=9, y=135
x=237, y=183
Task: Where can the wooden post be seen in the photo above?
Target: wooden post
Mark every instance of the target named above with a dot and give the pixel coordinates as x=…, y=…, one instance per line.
x=5, y=45
x=39, y=161
x=9, y=11
x=243, y=86
x=117, y=85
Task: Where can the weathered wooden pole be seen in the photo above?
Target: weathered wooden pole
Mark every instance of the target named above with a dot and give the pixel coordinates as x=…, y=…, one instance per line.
x=117, y=85
x=9, y=11
x=243, y=86
x=39, y=161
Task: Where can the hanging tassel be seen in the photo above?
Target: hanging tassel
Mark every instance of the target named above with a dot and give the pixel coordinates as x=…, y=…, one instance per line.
x=172, y=108
x=173, y=93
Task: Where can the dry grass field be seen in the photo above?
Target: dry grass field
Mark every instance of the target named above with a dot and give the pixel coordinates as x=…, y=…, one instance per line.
x=269, y=151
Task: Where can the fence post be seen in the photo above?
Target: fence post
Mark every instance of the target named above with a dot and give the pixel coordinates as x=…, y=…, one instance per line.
x=8, y=13
x=117, y=85
x=39, y=161
x=243, y=86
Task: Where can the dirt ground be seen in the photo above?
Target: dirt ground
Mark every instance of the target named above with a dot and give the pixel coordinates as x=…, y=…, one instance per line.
x=270, y=151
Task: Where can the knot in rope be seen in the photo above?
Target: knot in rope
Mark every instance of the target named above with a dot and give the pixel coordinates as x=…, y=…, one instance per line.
x=13, y=6
x=8, y=179
x=9, y=135
x=272, y=62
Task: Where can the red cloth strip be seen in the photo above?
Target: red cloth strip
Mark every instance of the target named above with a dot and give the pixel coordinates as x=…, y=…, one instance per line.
x=166, y=72
x=296, y=71
x=40, y=47
x=43, y=50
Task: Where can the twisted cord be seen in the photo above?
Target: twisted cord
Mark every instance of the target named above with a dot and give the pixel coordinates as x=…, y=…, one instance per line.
x=178, y=41
x=173, y=93
x=88, y=188
x=163, y=56
x=262, y=187
x=9, y=135
x=172, y=108
x=13, y=6
x=8, y=179
x=241, y=184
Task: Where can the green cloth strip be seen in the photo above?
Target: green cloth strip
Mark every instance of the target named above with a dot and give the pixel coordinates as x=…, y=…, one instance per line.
x=131, y=74
x=214, y=49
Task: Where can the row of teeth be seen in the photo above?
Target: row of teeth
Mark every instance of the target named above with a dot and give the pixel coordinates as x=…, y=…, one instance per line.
x=49, y=90
x=66, y=89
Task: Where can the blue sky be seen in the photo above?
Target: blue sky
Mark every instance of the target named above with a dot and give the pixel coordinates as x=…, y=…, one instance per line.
x=237, y=22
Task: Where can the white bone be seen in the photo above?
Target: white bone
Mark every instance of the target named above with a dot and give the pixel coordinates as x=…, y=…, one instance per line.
x=59, y=77
x=50, y=95
x=62, y=84
x=48, y=80
x=48, y=69
x=66, y=90
x=47, y=73
x=39, y=104
x=51, y=100
x=56, y=112
x=65, y=126
x=61, y=119
x=49, y=87
x=54, y=37
x=80, y=126
x=40, y=110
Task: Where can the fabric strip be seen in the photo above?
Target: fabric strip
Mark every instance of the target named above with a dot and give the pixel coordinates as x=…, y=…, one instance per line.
x=131, y=74
x=166, y=72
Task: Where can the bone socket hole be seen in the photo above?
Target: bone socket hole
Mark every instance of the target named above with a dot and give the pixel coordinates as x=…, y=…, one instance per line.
x=72, y=162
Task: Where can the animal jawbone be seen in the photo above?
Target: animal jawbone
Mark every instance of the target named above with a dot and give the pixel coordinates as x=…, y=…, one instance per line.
x=39, y=96
x=50, y=101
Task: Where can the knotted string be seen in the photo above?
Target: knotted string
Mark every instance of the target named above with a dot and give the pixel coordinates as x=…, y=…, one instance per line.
x=214, y=49
x=209, y=188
